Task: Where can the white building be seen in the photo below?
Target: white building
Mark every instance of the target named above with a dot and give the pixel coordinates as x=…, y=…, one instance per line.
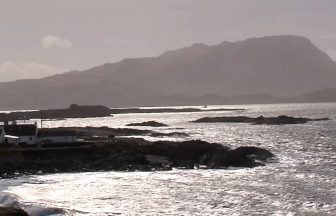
x=20, y=133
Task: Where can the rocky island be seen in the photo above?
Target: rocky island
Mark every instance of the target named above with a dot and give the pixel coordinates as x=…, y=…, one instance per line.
x=279, y=120
x=149, y=124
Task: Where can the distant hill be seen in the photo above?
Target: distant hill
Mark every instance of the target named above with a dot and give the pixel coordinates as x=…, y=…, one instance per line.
x=199, y=74
x=324, y=95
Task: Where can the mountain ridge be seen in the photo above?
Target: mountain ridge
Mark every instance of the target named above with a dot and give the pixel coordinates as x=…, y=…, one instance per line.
x=278, y=65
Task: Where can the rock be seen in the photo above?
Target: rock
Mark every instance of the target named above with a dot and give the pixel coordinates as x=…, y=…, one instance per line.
x=148, y=123
x=280, y=120
x=253, y=152
x=6, y=211
x=157, y=159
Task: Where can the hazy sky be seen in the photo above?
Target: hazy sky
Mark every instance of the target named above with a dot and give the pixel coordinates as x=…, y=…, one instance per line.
x=43, y=37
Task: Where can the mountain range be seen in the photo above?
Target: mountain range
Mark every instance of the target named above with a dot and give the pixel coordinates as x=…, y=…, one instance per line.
x=270, y=69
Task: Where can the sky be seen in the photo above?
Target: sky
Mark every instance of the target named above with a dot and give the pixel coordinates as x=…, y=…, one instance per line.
x=40, y=38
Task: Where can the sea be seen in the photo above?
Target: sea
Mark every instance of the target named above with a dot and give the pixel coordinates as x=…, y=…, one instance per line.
x=300, y=181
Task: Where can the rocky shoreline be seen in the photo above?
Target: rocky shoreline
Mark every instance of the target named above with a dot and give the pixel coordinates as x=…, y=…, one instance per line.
x=129, y=154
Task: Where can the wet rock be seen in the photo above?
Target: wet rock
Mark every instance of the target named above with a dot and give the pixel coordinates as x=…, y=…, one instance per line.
x=253, y=152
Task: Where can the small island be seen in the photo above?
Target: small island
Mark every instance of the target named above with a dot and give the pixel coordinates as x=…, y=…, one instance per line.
x=279, y=120
x=148, y=124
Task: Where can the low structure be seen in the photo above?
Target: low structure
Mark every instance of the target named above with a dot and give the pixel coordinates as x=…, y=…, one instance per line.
x=57, y=136
x=20, y=133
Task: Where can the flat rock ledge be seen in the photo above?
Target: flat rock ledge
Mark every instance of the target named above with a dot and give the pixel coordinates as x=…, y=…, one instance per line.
x=129, y=154
x=279, y=120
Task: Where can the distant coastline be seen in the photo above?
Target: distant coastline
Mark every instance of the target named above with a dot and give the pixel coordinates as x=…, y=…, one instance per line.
x=79, y=111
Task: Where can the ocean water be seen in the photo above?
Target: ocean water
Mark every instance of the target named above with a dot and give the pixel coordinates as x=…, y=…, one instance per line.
x=302, y=181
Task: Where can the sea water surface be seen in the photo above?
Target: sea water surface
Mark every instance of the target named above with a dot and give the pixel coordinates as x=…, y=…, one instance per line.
x=302, y=181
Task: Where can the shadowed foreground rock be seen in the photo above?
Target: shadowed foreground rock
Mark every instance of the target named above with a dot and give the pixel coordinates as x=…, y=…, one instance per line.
x=128, y=154
x=4, y=211
x=280, y=120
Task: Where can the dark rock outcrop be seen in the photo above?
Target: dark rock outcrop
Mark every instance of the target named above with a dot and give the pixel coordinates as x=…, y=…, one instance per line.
x=280, y=120
x=246, y=156
x=128, y=154
x=148, y=123
x=6, y=211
